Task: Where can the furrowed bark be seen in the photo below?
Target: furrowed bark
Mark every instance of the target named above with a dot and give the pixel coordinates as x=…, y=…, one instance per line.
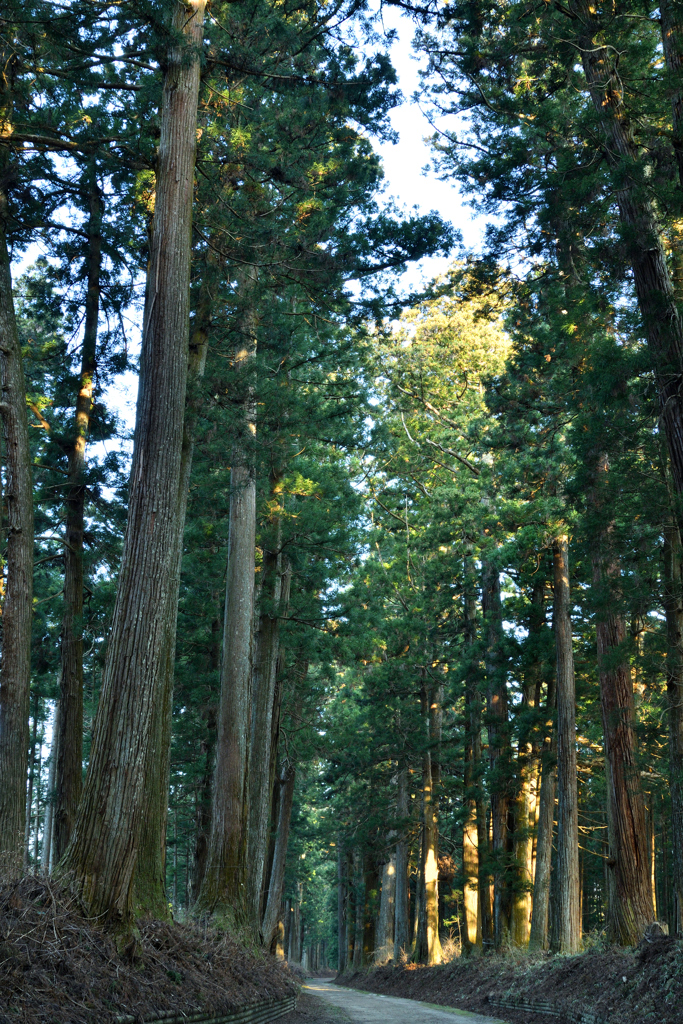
x=69, y=767
x=472, y=796
x=384, y=947
x=499, y=749
x=277, y=871
x=224, y=884
x=342, y=908
x=673, y=606
x=274, y=601
x=104, y=847
x=525, y=806
x=538, y=936
x=15, y=665
x=567, y=917
x=402, y=918
x=428, y=944
x=150, y=897
x=630, y=908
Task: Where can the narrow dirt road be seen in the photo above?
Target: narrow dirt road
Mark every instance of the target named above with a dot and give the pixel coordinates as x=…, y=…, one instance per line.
x=368, y=1008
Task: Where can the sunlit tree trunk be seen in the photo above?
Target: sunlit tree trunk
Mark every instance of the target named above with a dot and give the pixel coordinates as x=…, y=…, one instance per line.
x=428, y=944
x=538, y=936
x=69, y=768
x=527, y=797
x=15, y=665
x=472, y=795
x=385, y=925
x=567, y=916
x=499, y=749
x=673, y=605
x=103, y=852
x=402, y=917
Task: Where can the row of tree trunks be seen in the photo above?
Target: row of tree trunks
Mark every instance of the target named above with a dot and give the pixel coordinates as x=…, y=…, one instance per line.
x=103, y=851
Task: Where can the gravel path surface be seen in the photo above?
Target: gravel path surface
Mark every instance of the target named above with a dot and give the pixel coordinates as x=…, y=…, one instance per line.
x=322, y=1002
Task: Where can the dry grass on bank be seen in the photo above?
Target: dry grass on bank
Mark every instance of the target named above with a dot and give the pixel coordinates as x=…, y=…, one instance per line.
x=56, y=967
x=619, y=986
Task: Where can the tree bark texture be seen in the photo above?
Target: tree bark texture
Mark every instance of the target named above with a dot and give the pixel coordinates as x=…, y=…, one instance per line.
x=630, y=908
x=69, y=768
x=103, y=851
x=499, y=750
x=342, y=908
x=274, y=601
x=15, y=665
x=359, y=909
x=384, y=943
x=673, y=606
x=472, y=795
x=150, y=874
x=538, y=935
x=567, y=916
x=526, y=800
x=402, y=914
x=277, y=871
x=428, y=943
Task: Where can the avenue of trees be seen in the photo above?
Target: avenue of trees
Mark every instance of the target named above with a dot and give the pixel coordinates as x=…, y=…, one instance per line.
x=373, y=649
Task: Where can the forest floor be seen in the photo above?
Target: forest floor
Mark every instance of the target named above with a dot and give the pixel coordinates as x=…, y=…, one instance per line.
x=57, y=968
x=615, y=986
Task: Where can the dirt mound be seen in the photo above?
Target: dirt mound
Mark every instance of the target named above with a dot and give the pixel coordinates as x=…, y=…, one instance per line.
x=57, y=968
x=615, y=985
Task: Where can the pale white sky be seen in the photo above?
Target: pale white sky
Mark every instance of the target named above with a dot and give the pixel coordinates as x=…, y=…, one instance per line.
x=405, y=161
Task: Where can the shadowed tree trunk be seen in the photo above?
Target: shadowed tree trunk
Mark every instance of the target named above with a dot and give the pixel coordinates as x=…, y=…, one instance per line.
x=499, y=749
x=277, y=871
x=15, y=665
x=69, y=767
x=224, y=884
x=274, y=601
x=150, y=876
x=566, y=916
x=538, y=936
x=342, y=907
x=384, y=945
x=673, y=605
x=402, y=917
x=104, y=848
x=630, y=907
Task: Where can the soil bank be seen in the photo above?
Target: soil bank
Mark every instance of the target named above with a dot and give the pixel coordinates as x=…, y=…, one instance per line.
x=617, y=986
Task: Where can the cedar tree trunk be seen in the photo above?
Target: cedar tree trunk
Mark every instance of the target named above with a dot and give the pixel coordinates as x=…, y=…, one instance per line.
x=69, y=767
x=104, y=847
x=567, y=918
x=15, y=664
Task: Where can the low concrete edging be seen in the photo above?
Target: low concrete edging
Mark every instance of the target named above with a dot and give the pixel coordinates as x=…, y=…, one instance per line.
x=255, y=1013
x=548, y=1008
